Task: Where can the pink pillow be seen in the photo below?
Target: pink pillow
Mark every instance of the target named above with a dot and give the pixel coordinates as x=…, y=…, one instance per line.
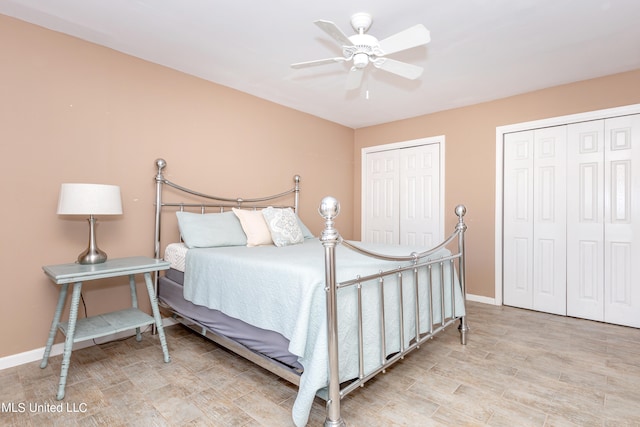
x=254, y=226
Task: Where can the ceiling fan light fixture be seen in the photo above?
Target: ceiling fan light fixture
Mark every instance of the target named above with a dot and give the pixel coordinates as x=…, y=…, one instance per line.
x=360, y=60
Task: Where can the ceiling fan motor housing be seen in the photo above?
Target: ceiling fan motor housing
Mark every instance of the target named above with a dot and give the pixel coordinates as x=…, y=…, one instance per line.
x=365, y=49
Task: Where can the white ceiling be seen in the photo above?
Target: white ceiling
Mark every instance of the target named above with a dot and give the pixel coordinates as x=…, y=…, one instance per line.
x=480, y=50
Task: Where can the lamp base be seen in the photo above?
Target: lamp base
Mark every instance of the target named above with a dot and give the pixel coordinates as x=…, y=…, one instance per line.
x=92, y=255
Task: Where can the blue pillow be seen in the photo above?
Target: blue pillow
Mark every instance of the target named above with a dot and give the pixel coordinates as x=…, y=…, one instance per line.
x=305, y=231
x=210, y=230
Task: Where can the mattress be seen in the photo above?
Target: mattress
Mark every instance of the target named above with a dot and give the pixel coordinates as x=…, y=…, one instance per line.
x=269, y=343
x=176, y=254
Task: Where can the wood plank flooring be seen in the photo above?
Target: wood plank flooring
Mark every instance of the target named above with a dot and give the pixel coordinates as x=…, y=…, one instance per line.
x=520, y=368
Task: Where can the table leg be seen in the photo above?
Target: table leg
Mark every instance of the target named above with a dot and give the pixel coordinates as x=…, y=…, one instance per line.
x=54, y=325
x=134, y=301
x=68, y=342
x=156, y=316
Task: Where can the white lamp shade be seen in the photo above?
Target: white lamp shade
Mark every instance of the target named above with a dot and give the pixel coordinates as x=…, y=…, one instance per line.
x=89, y=199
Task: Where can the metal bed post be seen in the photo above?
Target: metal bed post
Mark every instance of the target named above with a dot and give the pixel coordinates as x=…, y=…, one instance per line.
x=329, y=209
x=461, y=227
x=160, y=164
x=296, y=193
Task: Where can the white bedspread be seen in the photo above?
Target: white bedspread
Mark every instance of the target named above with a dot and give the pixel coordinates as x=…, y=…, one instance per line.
x=282, y=289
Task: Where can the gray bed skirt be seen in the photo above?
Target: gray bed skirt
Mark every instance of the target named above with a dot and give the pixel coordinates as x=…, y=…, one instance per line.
x=269, y=343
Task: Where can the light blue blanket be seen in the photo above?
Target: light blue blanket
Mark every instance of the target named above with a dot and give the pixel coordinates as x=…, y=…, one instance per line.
x=282, y=289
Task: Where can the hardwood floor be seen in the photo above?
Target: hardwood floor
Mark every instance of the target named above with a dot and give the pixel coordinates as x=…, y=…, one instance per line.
x=520, y=368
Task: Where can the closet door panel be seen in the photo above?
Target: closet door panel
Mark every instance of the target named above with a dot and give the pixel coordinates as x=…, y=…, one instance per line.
x=622, y=221
x=518, y=220
x=382, y=198
x=549, y=220
x=420, y=195
x=585, y=219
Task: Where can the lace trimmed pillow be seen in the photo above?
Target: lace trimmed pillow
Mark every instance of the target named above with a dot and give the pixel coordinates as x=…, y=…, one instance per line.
x=283, y=226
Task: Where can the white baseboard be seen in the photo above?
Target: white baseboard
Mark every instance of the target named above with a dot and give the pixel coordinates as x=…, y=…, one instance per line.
x=482, y=299
x=57, y=349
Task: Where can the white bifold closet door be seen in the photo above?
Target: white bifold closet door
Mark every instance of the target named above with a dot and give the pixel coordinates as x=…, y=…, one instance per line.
x=603, y=222
x=402, y=196
x=534, y=220
x=572, y=220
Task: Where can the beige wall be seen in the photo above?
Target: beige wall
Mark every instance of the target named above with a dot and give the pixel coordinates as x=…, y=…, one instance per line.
x=470, y=163
x=71, y=111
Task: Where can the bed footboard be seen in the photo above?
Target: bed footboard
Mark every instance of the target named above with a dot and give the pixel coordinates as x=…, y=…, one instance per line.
x=455, y=262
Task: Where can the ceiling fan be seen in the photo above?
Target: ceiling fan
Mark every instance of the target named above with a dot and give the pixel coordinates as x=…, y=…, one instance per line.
x=362, y=49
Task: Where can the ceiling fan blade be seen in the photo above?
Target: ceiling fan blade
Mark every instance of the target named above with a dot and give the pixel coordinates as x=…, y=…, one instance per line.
x=411, y=37
x=317, y=62
x=354, y=78
x=334, y=31
x=402, y=69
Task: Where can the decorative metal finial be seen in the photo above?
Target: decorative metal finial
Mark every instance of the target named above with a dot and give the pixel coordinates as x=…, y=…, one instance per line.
x=329, y=208
x=461, y=210
x=161, y=164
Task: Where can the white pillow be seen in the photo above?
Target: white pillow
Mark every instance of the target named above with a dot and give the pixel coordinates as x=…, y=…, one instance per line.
x=283, y=226
x=254, y=226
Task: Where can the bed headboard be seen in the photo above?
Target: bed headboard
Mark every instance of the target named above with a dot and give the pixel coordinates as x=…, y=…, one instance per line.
x=206, y=202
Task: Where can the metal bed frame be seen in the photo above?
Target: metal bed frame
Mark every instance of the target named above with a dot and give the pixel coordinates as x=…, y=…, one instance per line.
x=330, y=238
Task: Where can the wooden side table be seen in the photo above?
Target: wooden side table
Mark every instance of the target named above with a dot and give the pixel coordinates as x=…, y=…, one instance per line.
x=76, y=330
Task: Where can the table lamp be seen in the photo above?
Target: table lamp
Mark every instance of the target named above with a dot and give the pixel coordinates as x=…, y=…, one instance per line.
x=90, y=199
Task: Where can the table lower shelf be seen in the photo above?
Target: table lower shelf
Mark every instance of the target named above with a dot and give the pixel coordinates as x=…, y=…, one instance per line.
x=106, y=324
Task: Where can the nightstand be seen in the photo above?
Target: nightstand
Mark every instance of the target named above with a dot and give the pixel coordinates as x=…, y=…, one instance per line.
x=76, y=330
